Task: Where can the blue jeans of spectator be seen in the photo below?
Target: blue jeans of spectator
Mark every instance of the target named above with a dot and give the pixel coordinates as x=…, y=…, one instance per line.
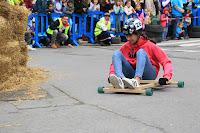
x=175, y=22
x=164, y=33
x=181, y=35
x=144, y=68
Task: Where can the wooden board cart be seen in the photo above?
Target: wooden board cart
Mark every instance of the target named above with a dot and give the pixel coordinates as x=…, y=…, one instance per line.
x=145, y=87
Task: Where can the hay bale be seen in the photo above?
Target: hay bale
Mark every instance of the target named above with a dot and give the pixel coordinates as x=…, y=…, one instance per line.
x=23, y=46
x=23, y=59
x=14, y=19
x=5, y=66
x=13, y=50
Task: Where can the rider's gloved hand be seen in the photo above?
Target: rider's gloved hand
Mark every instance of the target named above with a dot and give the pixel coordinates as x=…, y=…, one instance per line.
x=163, y=81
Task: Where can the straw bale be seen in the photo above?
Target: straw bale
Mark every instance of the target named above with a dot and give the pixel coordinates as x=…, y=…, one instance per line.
x=5, y=66
x=10, y=48
x=23, y=46
x=13, y=50
x=14, y=22
x=23, y=59
x=24, y=77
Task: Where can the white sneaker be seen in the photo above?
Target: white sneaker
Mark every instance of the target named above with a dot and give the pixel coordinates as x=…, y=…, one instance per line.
x=30, y=48
x=130, y=83
x=116, y=81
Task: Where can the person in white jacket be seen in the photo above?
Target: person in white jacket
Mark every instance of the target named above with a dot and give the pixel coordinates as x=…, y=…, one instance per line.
x=102, y=29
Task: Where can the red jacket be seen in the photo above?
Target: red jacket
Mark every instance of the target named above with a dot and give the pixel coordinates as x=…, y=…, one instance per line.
x=163, y=20
x=155, y=54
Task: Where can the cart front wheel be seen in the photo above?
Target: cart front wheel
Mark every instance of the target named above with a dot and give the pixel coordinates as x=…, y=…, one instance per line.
x=149, y=92
x=181, y=84
x=100, y=89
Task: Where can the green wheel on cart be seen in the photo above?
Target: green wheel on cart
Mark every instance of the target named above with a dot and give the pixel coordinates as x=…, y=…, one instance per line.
x=181, y=84
x=100, y=89
x=149, y=92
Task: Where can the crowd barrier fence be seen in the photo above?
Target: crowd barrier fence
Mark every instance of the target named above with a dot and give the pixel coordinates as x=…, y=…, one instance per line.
x=78, y=29
x=196, y=14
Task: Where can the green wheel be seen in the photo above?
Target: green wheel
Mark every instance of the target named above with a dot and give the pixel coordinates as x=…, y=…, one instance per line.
x=100, y=89
x=149, y=92
x=181, y=84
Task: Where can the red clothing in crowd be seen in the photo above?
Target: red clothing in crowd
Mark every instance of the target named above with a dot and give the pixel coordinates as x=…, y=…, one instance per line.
x=29, y=4
x=155, y=54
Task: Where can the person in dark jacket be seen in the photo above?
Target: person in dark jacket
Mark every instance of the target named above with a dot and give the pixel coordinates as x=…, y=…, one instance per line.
x=105, y=6
x=49, y=12
x=78, y=7
x=40, y=7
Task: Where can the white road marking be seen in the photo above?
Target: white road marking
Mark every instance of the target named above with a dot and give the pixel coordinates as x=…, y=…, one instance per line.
x=182, y=42
x=187, y=45
x=189, y=51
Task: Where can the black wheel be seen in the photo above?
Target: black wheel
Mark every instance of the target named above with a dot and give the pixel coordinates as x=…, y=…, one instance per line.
x=194, y=35
x=158, y=39
x=154, y=28
x=153, y=34
x=196, y=29
x=116, y=40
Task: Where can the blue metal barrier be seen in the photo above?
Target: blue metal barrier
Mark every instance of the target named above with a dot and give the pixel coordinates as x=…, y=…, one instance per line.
x=91, y=33
x=32, y=26
x=42, y=33
x=196, y=14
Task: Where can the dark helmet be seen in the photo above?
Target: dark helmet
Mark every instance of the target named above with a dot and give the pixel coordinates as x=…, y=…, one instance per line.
x=131, y=26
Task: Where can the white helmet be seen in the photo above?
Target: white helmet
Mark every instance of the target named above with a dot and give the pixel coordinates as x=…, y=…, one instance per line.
x=131, y=26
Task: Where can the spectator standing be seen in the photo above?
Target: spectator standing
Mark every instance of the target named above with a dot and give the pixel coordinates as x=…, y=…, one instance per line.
x=164, y=21
x=94, y=6
x=69, y=7
x=78, y=7
x=105, y=6
x=118, y=8
x=149, y=4
x=128, y=9
x=187, y=21
x=165, y=3
x=147, y=19
x=40, y=7
x=177, y=10
x=170, y=28
x=64, y=3
x=57, y=6
x=29, y=4
x=50, y=10
x=13, y=2
x=23, y=4
x=140, y=13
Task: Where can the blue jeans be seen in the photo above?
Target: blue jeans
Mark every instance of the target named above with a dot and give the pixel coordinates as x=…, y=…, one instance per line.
x=144, y=68
x=175, y=23
x=164, y=33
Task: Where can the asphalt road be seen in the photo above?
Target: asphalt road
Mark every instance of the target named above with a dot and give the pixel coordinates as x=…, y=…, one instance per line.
x=76, y=107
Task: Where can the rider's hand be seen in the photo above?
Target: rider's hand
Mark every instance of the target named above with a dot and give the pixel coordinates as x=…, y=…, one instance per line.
x=163, y=81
